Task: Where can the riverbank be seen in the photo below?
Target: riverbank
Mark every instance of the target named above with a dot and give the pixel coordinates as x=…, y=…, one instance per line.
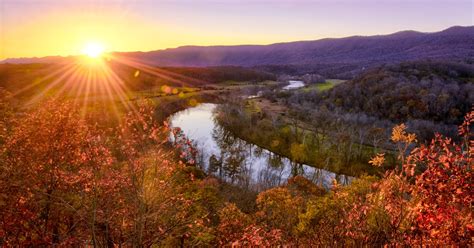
x=269, y=126
x=238, y=161
x=337, y=154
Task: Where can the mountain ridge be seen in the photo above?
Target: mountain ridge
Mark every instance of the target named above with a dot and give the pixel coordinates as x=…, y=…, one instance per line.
x=353, y=53
x=453, y=42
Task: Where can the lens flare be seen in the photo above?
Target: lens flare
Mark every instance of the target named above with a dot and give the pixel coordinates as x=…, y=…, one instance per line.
x=93, y=50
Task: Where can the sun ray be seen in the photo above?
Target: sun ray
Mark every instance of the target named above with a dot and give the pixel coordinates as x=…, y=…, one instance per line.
x=97, y=79
x=51, y=86
x=81, y=87
x=43, y=79
x=171, y=76
x=120, y=88
x=68, y=84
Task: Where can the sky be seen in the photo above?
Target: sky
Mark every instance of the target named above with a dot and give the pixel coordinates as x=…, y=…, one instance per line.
x=63, y=27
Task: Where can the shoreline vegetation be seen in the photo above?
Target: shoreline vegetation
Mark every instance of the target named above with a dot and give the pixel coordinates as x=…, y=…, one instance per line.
x=288, y=146
x=299, y=145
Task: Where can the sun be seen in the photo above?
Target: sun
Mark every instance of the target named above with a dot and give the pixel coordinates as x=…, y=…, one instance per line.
x=93, y=50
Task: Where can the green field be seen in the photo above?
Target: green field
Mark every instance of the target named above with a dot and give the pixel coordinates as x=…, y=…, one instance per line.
x=324, y=86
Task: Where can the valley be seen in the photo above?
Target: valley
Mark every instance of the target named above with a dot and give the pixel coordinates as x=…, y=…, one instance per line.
x=363, y=141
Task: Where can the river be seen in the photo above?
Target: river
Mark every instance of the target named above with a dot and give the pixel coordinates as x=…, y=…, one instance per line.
x=294, y=84
x=237, y=161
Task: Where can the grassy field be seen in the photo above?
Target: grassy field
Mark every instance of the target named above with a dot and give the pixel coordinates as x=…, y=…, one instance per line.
x=324, y=86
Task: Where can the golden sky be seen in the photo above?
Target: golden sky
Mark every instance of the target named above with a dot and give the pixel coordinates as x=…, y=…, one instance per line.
x=66, y=34
x=62, y=27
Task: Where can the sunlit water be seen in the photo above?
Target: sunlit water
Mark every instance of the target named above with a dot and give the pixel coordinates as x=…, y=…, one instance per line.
x=293, y=84
x=238, y=161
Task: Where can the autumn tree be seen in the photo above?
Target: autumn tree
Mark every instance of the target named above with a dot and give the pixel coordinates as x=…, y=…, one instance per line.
x=51, y=162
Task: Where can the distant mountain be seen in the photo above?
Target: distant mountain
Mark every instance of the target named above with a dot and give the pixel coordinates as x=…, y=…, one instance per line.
x=326, y=55
x=36, y=60
x=453, y=43
x=342, y=57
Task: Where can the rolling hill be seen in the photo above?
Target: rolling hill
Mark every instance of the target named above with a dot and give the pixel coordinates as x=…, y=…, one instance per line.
x=326, y=56
x=341, y=57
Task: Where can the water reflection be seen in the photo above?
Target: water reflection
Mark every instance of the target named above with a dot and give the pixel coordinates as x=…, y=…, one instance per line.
x=239, y=162
x=293, y=84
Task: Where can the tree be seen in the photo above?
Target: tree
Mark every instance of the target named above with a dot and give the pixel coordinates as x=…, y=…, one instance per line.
x=279, y=209
x=51, y=162
x=443, y=191
x=232, y=224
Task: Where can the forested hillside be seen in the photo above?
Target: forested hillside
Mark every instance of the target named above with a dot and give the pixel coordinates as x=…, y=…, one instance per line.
x=428, y=96
x=344, y=57
x=435, y=91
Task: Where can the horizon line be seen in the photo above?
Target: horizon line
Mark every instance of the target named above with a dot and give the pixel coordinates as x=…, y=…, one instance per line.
x=2, y=60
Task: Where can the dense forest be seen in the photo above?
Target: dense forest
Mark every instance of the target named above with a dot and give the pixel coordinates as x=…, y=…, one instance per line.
x=73, y=180
x=428, y=96
x=113, y=172
x=223, y=73
x=434, y=91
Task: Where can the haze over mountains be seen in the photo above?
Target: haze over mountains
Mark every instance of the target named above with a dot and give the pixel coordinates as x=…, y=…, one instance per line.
x=346, y=56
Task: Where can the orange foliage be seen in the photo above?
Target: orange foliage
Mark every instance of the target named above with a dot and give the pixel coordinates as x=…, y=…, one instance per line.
x=443, y=190
x=65, y=181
